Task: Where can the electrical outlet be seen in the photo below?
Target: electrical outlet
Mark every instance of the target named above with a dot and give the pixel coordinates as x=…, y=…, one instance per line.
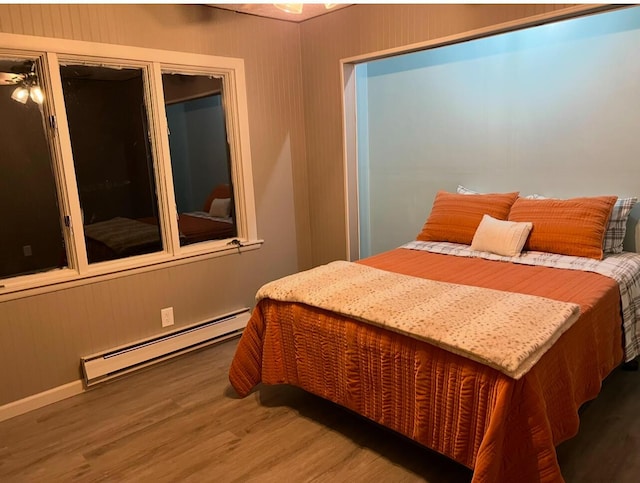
x=167, y=316
x=26, y=250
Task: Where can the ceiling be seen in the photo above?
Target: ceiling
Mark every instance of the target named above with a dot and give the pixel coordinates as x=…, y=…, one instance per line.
x=309, y=10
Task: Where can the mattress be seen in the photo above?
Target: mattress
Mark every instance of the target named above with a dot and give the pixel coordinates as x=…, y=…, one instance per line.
x=504, y=429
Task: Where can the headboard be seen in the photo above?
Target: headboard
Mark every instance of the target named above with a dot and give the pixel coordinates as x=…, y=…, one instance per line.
x=220, y=191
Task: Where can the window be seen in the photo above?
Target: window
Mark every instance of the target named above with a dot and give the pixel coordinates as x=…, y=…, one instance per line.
x=107, y=120
x=128, y=159
x=32, y=238
x=200, y=160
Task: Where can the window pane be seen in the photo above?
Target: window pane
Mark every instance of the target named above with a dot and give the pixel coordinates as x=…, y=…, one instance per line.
x=31, y=237
x=200, y=158
x=114, y=168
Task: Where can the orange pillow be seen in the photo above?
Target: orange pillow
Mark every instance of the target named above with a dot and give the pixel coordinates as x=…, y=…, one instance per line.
x=569, y=227
x=455, y=217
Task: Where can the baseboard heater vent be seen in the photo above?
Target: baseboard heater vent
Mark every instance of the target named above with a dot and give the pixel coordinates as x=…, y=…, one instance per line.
x=121, y=360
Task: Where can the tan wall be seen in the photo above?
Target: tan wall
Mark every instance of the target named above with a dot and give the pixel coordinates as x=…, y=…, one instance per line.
x=352, y=31
x=43, y=337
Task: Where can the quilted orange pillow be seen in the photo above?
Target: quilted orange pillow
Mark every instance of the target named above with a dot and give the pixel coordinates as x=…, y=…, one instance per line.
x=455, y=217
x=569, y=227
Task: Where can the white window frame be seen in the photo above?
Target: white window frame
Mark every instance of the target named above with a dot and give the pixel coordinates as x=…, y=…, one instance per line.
x=54, y=52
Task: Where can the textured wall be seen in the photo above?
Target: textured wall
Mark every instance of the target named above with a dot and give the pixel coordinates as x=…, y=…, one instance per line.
x=350, y=32
x=43, y=337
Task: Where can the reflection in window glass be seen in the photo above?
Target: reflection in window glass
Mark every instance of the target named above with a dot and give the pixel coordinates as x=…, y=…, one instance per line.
x=200, y=159
x=31, y=237
x=114, y=169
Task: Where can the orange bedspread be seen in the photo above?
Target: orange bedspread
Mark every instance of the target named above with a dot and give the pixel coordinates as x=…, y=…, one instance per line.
x=504, y=429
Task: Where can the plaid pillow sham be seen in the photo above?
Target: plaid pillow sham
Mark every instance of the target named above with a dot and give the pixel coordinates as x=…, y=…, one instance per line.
x=617, y=228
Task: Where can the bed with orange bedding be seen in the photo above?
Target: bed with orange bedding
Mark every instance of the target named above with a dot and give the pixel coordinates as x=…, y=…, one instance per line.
x=419, y=338
x=505, y=429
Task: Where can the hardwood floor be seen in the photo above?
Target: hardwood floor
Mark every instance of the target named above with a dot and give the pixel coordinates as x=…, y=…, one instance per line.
x=181, y=421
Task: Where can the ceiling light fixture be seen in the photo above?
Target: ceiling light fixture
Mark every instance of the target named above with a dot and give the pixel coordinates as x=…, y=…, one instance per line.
x=296, y=8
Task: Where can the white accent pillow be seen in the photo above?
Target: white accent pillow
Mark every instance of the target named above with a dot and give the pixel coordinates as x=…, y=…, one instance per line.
x=220, y=207
x=501, y=237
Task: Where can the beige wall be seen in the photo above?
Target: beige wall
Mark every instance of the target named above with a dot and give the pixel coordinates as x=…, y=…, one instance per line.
x=299, y=194
x=43, y=337
x=354, y=31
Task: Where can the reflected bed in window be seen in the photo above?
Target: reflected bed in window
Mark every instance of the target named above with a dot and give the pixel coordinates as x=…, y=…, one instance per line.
x=214, y=222
x=121, y=237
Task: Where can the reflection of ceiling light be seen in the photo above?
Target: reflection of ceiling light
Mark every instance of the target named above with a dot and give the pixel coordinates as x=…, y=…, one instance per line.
x=296, y=8
x=21, y=94
x=36, y=94
x=28, y=88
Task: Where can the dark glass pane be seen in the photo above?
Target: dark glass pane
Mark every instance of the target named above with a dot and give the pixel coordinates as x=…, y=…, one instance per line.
x=113, y=163
x=31, y=238
x=200, y=159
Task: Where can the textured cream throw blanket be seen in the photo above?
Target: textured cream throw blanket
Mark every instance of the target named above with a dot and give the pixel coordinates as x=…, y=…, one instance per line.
x=504, y=330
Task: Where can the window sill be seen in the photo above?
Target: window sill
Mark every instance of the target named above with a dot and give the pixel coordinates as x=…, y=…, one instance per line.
x=30, y=285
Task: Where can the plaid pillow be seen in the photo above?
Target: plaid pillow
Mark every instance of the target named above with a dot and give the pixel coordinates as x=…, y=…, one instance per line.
x=617, y=227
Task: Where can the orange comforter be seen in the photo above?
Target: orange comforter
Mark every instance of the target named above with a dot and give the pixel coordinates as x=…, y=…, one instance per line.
x=504, y=429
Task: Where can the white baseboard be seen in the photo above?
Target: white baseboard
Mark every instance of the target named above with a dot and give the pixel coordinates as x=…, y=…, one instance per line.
x=22, y=406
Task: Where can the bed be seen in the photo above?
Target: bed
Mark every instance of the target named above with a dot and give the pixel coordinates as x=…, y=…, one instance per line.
x=503, y=424
x=214, y=222
x=121, y=237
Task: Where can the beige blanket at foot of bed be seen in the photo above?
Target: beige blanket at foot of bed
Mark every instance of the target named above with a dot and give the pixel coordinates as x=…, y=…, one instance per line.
x=504, y=330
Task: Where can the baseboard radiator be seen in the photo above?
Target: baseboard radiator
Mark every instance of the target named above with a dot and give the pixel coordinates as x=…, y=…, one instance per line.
x=101, y=367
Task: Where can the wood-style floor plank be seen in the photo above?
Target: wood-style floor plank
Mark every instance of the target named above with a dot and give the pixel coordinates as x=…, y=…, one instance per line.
x=181, y=421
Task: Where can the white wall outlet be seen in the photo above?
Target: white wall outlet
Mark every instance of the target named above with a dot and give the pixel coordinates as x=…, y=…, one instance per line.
x=26, y=250
x=167, y=316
